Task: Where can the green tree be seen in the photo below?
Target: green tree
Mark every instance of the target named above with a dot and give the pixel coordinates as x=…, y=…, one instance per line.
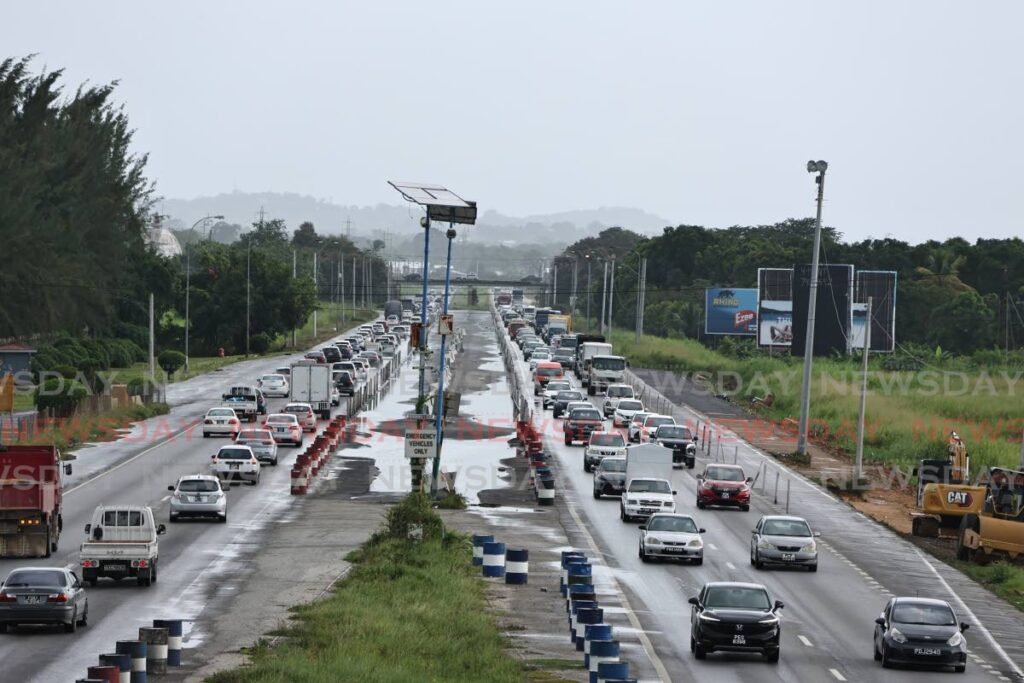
x=963, y=324
x=170, y=361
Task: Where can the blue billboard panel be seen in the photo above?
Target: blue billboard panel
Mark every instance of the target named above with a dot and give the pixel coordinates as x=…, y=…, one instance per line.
x=730, y=311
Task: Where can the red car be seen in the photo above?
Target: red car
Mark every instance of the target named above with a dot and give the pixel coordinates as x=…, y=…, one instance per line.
x=317, y=356
x=723, y=485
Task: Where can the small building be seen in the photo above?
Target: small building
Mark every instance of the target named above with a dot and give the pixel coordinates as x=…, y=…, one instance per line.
x=15, y=358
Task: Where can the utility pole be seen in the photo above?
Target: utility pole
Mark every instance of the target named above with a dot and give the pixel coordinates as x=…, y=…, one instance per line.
x=295, y=274
x=572, y=297
x=353, y=285
x=590, y=293
x=818, y=167
x=858, y=471
x=611, y=300
x=248, y=284
x=341, y=284
x=439, y=413
x=188, y=291
x=152, y=340
x=641, y=293
x=316, y=288
x=604, y=294
x=554, y=283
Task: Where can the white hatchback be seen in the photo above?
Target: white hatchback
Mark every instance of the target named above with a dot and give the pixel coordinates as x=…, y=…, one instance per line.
x=235, y=463
x=274, y=385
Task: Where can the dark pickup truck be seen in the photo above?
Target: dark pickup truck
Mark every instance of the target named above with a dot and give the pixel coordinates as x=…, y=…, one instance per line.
x=581, y=423
x=682, y=442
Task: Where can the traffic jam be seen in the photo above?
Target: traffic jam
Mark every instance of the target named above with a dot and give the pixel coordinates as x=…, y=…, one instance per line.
x=631, y=453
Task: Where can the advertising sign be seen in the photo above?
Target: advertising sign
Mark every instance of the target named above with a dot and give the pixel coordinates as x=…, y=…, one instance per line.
x=775, y=323
x=730, y=311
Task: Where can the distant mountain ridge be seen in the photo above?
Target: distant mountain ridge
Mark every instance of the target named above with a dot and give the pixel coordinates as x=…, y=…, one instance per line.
x=402, y=221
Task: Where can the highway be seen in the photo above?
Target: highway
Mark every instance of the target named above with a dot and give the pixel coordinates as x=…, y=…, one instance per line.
x=829, y=615
x=199, y=559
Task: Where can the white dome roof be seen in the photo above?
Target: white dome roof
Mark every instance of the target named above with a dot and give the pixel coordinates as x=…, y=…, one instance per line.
x=164, y=242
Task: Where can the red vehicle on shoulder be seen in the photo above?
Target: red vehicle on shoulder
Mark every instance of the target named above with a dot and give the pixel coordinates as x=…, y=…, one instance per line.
x=31, y=494
x=723, y=485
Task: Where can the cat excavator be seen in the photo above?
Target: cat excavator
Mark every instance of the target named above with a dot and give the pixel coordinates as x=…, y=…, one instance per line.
x=997, y=531
x=944, y=492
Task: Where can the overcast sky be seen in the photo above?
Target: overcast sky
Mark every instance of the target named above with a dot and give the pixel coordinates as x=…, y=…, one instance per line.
x=700, y=112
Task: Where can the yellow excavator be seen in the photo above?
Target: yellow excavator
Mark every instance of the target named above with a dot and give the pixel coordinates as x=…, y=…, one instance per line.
x=944, y=492
x=997, y=531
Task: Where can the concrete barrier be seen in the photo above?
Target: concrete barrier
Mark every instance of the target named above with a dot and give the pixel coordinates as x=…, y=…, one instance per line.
x=137, y=650
x=494, y=560
x=122, y=661
x=478, y=548
x=156, y=649
x=517, y=566
x=175, y=631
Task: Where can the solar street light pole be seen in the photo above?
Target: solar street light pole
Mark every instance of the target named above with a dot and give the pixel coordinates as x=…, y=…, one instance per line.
x=818, y=167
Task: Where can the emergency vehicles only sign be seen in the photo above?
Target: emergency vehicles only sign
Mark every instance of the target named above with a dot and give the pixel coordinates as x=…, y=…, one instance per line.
x=420, y=444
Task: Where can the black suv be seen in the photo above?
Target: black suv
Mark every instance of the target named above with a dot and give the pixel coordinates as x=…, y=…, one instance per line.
x=331, y=353
x=580, y=423
x=682, y=442
x=562, y=399
x=736, y=617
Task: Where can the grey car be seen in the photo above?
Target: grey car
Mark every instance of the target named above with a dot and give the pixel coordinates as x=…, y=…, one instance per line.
x=783, y=540
x=198, y=495
x=43, y=595
x=610, y=477
x=262, y=443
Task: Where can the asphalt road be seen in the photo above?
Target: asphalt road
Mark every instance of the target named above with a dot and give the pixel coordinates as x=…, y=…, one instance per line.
x=829, y=615
x=198, y=559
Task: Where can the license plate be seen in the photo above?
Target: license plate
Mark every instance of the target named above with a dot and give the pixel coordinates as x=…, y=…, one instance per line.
x=788, y=557
x=33, y=599
x=725, y=495
x=280, y=430
x=220, y=422
x=739, y=640
x=674, y=550
x=115, y=567
x=927, y=651
x=647, y=511
x=233, y=465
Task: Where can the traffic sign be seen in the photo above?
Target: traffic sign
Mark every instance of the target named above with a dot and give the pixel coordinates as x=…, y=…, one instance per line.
x=420, y=444
x=445, y=324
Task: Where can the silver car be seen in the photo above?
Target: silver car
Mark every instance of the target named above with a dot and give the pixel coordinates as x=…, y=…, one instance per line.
x=43, y=595
x=783, y=540
x=198, y=495
x=262, y=443
x=671, y=537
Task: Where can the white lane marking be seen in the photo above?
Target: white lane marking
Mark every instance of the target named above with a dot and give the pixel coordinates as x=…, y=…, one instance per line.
x=981, y=627
x=803, y=639
x=835, y=674
x=712, y=546
x=730, y=565
x=165, y=499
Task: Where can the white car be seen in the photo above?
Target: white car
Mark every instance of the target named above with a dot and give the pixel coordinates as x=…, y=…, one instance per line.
x=273, y=385
x=635, y=423
x=236, y=463
x=552, y=388
x=285, y=427
x=624, y=411
x=651, y=424
x=671, y=537
x=600, y=446
x=304, y=413
x=644, y=497
x=221, y=422
x=262, y=443
x=198, y=495
x=613, y=394
x=538, y=355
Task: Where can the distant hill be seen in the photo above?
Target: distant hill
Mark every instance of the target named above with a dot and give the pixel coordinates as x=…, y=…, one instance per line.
x=402, y=221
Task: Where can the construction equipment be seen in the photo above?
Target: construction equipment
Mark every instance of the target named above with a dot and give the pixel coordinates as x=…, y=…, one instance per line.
x=944, y=492
x=998, y=529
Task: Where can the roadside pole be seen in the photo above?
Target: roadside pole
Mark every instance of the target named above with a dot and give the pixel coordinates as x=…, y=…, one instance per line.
x=439, y=410
x=858, y=470
x=316, y=289
x=818, y=167
x=611, y=301
x=604, y=294
x=421, y=400
x=152, y=341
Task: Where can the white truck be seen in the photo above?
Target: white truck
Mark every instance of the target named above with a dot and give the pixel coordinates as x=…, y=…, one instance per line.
x=585, y=353
x=121, y=542
x=313, y=383
x=244, y=401
x=604, y=370
x=648, y=482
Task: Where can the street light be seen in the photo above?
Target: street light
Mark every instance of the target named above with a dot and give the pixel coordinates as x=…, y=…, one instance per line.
x=188, y=279
x=818, y=167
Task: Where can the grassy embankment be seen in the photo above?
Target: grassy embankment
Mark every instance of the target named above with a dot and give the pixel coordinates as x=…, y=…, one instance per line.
x=407, y=611
x=70, y=433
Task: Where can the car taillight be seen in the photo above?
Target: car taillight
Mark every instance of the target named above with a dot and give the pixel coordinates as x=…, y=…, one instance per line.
x=140, y=564
x=208, y=421
x=268, y=443
x=253, y=461
x=4, y=597
x=90, y=563
x=57, y=597
x=233, y=421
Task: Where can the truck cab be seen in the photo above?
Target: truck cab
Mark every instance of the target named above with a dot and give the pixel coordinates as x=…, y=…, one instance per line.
x=604, y=370
x=121, y=542
x=31, y=500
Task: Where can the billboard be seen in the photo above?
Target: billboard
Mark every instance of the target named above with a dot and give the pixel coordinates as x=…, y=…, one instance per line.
x=832, y=311
x=730, y=311
x=775, y=307
x=880, y=285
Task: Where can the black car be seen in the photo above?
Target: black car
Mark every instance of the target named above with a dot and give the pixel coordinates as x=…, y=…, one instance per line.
x=610, y=477
x=346, y=385
x=345, y=349
x=735, y=617
x=562, y=399
x=920, y=631
x=682, y=442
x=581, y=423
x=566, y=357
x=331, y=353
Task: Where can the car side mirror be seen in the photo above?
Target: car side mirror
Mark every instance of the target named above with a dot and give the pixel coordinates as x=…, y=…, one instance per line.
x=694, y=438
x=695, y=602
x=161, y=530
x=750, y=480
x=67, y=469
x=213, y=457
x=170, y=488
x=643, y=527
x=674, y=492
x=964, y=626
x=702, y=531
x=700, y=477
x=880, y=621
x=779, y=604
x=88, y=528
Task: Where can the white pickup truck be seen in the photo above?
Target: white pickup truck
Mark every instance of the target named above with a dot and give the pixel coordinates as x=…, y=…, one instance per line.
x=121, y=542
x=648, y=482
x=244, y=401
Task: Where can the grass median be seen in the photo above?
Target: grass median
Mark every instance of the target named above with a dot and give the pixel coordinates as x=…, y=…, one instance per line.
x=409, y=610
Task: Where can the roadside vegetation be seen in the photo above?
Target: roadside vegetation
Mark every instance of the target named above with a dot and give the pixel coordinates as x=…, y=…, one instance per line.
x=411, y=609
x=1002, y=578
x=68, y=434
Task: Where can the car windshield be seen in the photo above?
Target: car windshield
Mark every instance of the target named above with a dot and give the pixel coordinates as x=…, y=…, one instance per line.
x=673, y=432
x=607, y=440
x=254, y=436
x=567, y=396
x=585, y=414
x=923, y=614
x=558, y=386
x=724, y=474
x=221, y=412
x=620, y=392
x=600, y=363
x=655, y=422
x=649, y=486
x=629, y=404
x=272, y=378
x=281, y=419
x=198, y=486
x=297, y=409
x=736, y=597
x=613, y=465
x=786, y=527
x=33, y=577
x=563, y=352
x=682, y=525
x=638, y=418
x=549, y=372
x=234, y=454
x=238, y=398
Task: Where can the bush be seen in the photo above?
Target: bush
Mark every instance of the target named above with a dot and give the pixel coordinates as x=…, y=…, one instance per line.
x=259, y=343
x=97, y=353
x=137, y=334
x=414, y=511
x=66, y=371
x=170, y=360
x=136, y=386
x=120, y=351
x=60, y=395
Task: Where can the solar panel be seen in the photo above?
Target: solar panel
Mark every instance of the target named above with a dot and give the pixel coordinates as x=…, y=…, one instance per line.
x=428, y=194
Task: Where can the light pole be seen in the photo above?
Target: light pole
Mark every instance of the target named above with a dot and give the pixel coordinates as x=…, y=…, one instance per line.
x=818, y=167
x=188, y=280
x=248, y=288
x=439, y=410
x=611, y=300
x=589, y=293
x=604, y=294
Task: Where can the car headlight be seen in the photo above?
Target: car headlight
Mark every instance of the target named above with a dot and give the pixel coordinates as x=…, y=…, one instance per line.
x=769, y=620
x=764, y=545
x=704, y=616
x=809, y=548
x=669, y=503
x=695, y=543
x=955, y=639
x=632, y=501
x=895, y=634
x=652, y=540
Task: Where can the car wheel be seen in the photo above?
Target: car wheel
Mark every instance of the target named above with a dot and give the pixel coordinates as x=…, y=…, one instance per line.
x=960, y=668
x=699, y=651
x=206, y=435
x=223, y=518
x=758, y=564
x=690, y=465
x=586, y=465
x=745, y=508
x=699, y=561
x=72, y=625
x=700, y=505
x=273, y=463
x=622, y=514
x=172, y=518
x=874, y=651
x=568, y=440
x=812, y=568
x=154, y=572
x=3, y=627
x=692, y=644
x=590, y=390
x=773, y=656
x=597, y=493
x=643, y=555
x=886, y=662
x=92, y=582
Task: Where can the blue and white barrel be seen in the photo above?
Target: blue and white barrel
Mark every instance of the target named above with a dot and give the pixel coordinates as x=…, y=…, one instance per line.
x=156, y=649
x=175, y=632
x=576, y=588
x=478, y=548
x=494, y=560
x=594, y=632
x=582, y=619
x=137, y=650
x=578, y=600
x=546, y=490
x=579, y=573
x=576, y=606
x=577, y=558
x=602, y=652
x=613, y=672
x=517, y=566
x=123, y=663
